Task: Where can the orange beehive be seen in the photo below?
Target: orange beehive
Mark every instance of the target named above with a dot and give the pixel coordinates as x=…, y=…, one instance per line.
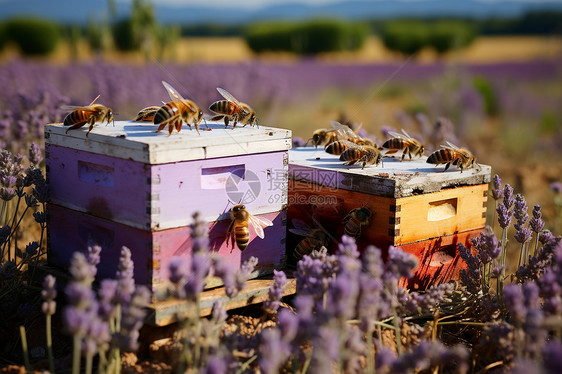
x=414, y=205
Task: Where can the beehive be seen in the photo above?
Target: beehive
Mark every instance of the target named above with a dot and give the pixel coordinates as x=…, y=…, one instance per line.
x=127, y=185
x=413, y=203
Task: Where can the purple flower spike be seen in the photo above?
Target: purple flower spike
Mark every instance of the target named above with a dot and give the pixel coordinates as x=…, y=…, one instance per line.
x=504, y=216
x=520, y=209
x=80, y=269
x=49, y=294
x=537, y=224
x=125, y=272
x=177, y=269
x=497, y=192
x=514, y=301
x=275, y=292
x=508, y=196
x=401, y=263
x=522, y=233
x=94, y=251
x=35, y=154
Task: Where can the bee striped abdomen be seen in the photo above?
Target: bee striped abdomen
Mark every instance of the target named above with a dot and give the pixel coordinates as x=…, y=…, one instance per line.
x=440, y=156
x=353, y=228
x=242, y=235
x=224, y=107
x=167, y=111
x=336, y=148
x=350, y=154
x=394, y=143
x=77, y=117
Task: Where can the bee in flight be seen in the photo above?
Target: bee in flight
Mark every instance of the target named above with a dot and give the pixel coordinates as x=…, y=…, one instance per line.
x=177, y=112
x=239, y=231
x=355, y=219
x=405, y=143
x=232, y=110
x=345, y=133
x=314, y=238
x=451, y=154
x=360, y=154
x=90, y=114
x=147, y=114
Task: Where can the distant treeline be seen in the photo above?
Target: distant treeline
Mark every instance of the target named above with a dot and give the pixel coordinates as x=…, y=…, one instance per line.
x=531, y=23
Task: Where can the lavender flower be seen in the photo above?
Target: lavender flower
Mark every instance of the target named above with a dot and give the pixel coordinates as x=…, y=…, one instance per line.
x=487, y=245
x=178, y=271
x=106, y=296
x=125, y=273
x=552, y=357
x=347, y=247
x=556, y=187
x=504, y=215
x=80, y=269
x=31, y=249
x=94, y=251
x=49, y=294
x=520, y=209
x=199, y=234
x=275, y=292
x=497, y=192
x=522, y=233
x=537, y=224
x=400, y=263
x=133, y=318
x=200, y=267
x=288, y=324
x=515, y=303
x=274, y=351
x=508, y=196
x=227, y=273
x=35, y=154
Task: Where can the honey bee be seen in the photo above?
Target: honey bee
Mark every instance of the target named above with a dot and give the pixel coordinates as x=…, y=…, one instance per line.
x=314, y=238
x=176, y=112
x=90, y=114
x=405, y=143
x=233, y=110
x=323, y=137
x=241, y=220
x=345, y=133
x=451, y=154
x=355, y=219
x=147, y=114
x=360, y=154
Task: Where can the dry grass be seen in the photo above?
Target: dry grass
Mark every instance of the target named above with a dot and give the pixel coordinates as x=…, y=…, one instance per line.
x=235, y=50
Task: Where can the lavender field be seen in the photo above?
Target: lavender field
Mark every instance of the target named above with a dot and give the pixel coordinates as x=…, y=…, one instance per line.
x=349, y=315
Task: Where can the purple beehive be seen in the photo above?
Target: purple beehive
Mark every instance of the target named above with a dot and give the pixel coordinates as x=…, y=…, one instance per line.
x=126, y=185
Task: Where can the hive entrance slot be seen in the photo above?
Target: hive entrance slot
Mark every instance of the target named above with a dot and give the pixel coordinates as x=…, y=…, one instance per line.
x=442, y=209
x=214, y=178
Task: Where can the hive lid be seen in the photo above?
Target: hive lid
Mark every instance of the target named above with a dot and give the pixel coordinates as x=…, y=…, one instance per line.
x=392, y=178
x=137, y=141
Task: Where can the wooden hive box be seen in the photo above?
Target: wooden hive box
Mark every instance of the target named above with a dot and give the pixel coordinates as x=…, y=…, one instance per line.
x=416, y=205
x=126, y=185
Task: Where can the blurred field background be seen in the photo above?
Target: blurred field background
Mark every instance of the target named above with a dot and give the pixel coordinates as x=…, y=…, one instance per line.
x=497, y=81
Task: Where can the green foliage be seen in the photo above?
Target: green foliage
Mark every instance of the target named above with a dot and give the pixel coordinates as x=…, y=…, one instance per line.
x=2, y=35
x=450, y=35
x=124, y=37
x=488, y=94
x=306, y=38
x=411, y=36
x=548, y=123
x=34, y=36
x=405, y=36
x=95, y=35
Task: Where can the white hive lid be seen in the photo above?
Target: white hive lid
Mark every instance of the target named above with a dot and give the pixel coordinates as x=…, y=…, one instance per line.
x=137, y=141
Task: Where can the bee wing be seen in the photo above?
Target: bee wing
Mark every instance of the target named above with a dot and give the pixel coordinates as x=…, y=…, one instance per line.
x=258, y=224
x=300, y=224
x=450, y=146
x=175, y=95
x=228, y=96
x=149, y=109
x=343, y=130
x=396, y=135
x=76, y=107
x=301, y=232
x=353, y=145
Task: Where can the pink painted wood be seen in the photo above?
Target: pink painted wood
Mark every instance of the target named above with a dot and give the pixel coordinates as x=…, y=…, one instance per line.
x=163, y=196
x=70, y=231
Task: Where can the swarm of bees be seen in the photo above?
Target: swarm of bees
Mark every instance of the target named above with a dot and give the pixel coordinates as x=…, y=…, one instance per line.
x=232, y=110
x=90, y=114
x=239, y=229
x=451, y=154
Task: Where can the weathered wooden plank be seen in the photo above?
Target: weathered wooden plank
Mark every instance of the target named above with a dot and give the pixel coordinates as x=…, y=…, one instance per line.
x=138, y=142
x=256, y=291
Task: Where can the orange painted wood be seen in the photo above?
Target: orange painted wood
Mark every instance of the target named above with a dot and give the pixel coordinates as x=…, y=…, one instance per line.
x=393, y=221
x=439, y=259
